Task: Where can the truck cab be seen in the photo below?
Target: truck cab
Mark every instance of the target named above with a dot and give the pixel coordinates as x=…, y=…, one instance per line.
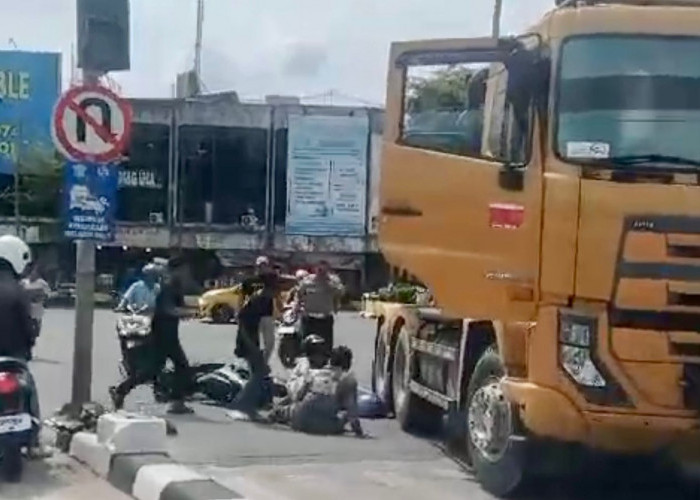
x=562, y=249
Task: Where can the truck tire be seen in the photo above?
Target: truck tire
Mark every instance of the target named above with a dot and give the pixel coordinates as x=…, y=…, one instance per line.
x=499, y=464
x=412, y=412
x=222, y=314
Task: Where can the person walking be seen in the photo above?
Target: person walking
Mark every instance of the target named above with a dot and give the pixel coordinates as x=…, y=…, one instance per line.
x=169, y=308
x=317, y=300
x=38, y=290
x=263, y=288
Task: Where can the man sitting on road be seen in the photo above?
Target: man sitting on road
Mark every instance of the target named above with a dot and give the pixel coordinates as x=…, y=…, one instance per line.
x=325, y=399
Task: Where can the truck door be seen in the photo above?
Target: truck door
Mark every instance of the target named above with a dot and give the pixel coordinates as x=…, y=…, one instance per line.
x=461, y=174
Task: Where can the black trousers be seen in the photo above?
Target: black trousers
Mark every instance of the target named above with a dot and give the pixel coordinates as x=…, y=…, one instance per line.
x=166, y=345
x=323, y=327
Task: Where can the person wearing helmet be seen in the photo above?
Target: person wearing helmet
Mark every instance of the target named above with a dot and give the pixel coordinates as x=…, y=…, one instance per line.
x=142, y=294
x=17, y=333
x=318, y=296
x=299, y=277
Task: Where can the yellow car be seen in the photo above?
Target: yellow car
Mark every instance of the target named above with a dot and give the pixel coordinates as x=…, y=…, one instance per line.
x=221, y=305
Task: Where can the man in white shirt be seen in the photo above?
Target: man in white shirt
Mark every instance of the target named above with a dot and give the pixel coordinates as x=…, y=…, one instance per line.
x=38, y=291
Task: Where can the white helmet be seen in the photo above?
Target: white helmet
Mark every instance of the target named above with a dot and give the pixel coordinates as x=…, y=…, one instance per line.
x=301, y=274
x=16, y=252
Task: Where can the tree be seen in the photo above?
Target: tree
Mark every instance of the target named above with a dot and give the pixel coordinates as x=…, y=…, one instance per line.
x=445, y=89
x=40, y=184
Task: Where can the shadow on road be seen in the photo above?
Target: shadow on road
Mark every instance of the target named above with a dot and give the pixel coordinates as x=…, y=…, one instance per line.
x=40, y=478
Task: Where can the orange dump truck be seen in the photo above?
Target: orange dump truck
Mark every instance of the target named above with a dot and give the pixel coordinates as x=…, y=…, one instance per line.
x=556, y=221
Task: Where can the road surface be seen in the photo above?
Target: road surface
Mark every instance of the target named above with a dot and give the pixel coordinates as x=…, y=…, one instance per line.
x=264, y=463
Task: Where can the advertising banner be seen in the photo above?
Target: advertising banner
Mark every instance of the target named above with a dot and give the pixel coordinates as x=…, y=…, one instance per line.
x=327, y=175
x=30, y=83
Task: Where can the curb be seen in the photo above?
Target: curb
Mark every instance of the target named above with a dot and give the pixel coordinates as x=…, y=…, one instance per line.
x=158, y=477
x=147, y=476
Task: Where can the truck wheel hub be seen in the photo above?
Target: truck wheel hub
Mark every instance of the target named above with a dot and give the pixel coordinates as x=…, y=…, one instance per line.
x=489, y=421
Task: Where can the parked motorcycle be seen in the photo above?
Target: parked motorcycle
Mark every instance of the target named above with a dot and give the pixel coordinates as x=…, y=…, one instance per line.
x=289, y=338
x=17, y=427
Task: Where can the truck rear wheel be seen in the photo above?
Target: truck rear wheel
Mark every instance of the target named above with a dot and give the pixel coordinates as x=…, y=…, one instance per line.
x=412, y=412
x=499, y=462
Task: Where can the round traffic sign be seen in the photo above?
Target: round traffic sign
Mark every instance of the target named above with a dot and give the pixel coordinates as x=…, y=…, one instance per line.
x=92, y=124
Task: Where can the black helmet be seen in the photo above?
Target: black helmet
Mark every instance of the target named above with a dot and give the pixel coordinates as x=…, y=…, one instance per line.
x=313, y=344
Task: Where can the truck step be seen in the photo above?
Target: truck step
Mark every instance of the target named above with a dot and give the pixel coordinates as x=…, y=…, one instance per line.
x=432, y=396
x=433, y=349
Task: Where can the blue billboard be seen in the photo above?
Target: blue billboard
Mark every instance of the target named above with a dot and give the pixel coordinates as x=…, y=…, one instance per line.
x=90, y=201
x=327, y=175
x=30, y=83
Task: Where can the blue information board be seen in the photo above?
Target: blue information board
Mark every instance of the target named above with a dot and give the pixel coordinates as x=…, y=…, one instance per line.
x=30, y=83
x=90, y=195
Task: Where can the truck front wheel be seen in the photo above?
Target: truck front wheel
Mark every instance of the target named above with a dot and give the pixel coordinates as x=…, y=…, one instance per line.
x=498, y=459
x=412, y=412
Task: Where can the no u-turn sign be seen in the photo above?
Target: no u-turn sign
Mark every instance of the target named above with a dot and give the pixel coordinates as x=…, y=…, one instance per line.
x=91, y=124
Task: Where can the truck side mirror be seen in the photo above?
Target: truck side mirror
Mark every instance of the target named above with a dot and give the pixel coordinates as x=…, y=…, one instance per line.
x=511, y=178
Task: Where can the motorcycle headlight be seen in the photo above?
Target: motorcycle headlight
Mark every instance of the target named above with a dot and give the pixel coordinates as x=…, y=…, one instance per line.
x=576, y=338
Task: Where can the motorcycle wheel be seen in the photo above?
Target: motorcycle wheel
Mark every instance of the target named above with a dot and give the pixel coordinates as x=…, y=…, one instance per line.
x=287, y=351
x=11, y=464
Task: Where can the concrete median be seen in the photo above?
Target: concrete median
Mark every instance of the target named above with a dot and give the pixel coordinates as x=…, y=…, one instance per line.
x=130, y=452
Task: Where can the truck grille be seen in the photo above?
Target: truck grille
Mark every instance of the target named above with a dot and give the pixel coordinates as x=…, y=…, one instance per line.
x=680, y=265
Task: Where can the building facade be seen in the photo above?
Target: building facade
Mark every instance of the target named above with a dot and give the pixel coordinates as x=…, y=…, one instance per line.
x=209, y=178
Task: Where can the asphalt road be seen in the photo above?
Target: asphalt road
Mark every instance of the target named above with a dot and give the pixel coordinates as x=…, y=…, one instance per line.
x=263, y=462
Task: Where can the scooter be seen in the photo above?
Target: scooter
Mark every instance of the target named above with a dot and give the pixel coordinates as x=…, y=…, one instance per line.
x=289, y=338
x=134, y=332
x=18, y=429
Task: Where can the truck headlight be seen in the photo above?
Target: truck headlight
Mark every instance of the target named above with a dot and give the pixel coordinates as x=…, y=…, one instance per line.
x=576, y=339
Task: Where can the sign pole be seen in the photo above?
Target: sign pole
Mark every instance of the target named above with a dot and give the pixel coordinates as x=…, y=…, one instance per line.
x=84, y=309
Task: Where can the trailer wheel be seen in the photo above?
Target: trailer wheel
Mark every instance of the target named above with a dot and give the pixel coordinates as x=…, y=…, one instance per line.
x=412, y=412
x=500, y=464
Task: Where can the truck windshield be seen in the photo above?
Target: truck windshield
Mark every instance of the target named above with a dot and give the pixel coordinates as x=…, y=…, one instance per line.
x=630, y=100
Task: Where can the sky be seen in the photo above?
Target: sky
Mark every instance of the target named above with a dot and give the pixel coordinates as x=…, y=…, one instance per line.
x=260, y=47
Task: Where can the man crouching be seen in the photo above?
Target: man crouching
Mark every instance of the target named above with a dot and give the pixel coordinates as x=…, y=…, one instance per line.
x=325, y=400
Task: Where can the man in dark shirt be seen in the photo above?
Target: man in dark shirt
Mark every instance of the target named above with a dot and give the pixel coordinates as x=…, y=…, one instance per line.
x=262, y=291
x=169, y=308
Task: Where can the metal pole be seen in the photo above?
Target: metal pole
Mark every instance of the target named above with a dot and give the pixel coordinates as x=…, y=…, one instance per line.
x=198, y=44
x=16, y=184
x=496, y=23
x=84, y=310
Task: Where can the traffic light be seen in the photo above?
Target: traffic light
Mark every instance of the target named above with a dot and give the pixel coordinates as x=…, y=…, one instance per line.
x=103, y=35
